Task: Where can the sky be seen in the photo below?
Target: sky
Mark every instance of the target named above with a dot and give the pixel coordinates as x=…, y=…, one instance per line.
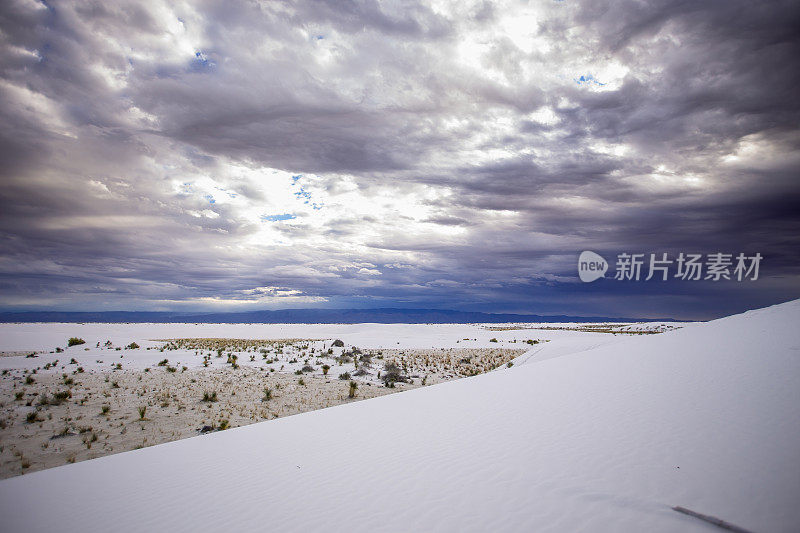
x=207, y=156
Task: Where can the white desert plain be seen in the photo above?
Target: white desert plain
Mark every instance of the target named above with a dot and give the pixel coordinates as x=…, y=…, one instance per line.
x=524, y=427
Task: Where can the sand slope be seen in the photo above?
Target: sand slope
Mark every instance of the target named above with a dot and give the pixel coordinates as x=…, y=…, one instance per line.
x=606, y=439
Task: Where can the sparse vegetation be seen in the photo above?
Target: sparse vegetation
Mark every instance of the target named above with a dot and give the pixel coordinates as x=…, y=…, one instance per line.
x=75, y=341
x=353, y=387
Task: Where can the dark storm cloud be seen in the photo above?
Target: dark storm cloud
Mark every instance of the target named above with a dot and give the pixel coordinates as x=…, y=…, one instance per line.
x=453, y=165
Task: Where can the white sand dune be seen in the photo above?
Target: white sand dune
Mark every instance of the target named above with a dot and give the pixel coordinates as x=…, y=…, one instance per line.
x=605, y=439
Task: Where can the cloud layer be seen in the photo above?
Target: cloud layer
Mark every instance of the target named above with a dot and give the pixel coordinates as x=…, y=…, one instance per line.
x=169, y=155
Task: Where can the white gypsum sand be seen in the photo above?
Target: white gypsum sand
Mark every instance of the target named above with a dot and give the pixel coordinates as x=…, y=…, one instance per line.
x=588, y=432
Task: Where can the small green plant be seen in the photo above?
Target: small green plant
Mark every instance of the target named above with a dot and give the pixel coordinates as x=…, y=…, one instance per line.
x=142, y=412
x=61, y=396
x=32, y=417
x=132, y=346
x=344, y=376
x=210, y=396
x=74, y=341
x=301, y=382
x=353, y=387
x=163, y=362
x=29, y=380
x=325, y=369
x=510, y=364
x=18, y=395
x=224, y=424
x=104, y=409
x=267, y=395
x=492, y=340
x=171, y=369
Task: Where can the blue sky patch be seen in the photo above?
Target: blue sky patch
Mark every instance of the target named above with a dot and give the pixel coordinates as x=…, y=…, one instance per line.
x=588, y=79
x=275, y=218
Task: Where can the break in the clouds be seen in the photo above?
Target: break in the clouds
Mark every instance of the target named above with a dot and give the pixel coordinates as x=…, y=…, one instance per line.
x=205, y=155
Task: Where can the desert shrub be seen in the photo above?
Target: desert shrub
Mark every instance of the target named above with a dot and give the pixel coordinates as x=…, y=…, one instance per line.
x=344, y=376
x=353, y=387
x=171, y=369
x=223, y=424
x=510, y=364
x=163, y=362
x=308, y=368
x=61, y=396
x=104, y=409
x=18, y=395
x=392, y=374
x=132, y=346
x=142, y=412
x=29, y=380
x=361, y=372
x=338, y=343
x=210, y=396
x=325, y=369
x=301, y=382
x=267, y=395
x=74, y=341
x=492, y=340
x=32, y=417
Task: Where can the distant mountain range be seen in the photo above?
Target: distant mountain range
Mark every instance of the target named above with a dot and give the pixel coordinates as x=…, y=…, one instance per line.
x=306, y=316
